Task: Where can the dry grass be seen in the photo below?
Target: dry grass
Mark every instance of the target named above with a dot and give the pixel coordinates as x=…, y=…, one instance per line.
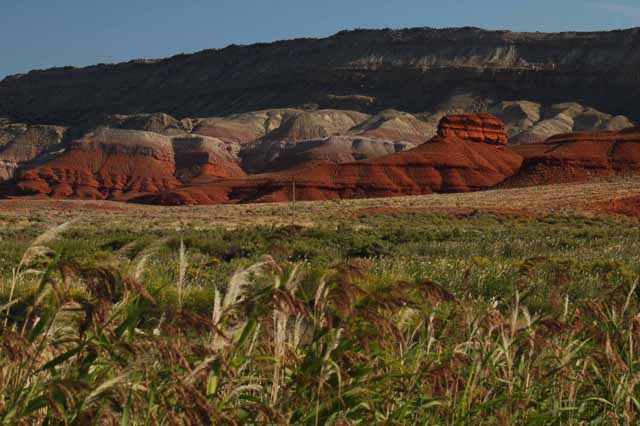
x=541, y=199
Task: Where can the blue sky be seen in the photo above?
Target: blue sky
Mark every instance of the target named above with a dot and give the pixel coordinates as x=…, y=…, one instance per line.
x=36, y=34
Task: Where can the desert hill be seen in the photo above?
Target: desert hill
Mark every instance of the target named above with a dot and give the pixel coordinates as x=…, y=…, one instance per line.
x=361, y=113
x=275, y=139
x=447, y=163
x=529, y=122
x=396, y=126
x=269, y=155
x=579, y=156
x=118, y=164
x=168, y=162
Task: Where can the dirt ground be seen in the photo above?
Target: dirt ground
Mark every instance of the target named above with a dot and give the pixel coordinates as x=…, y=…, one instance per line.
x=614, y=196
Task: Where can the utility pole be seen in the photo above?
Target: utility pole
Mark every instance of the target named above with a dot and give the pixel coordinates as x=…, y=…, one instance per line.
x=293, y=198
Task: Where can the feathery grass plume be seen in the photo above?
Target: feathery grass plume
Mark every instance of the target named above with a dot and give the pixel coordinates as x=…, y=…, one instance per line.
x=103, y=388
x=52, y=233
x=141, y=259
x=140, y=267
x=240, y=280
x=36, y=249
x=294, y=279
x=217, y=307
x=38, y=246
x=239, y=283
x=14, y=281
x=280, y=321
x=182, y=270
x=627, y=301
x=320, y=301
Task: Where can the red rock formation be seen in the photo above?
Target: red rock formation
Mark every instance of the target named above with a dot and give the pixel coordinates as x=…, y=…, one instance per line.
x=120, y=164
x=484, y=128
x=108, y=163
x=468, y=154
x=447, y=163
x=578, y=157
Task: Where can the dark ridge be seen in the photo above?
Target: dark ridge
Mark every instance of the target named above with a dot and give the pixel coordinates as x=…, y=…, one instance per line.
x=414, y=70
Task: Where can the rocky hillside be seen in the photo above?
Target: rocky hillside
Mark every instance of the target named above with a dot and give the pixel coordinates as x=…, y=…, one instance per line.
x=577, y=157
x=467, y=154
x=119, y=164
x=414, y=70
x=155, y=158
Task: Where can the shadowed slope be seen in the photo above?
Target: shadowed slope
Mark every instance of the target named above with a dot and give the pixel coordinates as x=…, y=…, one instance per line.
x=396, y=126
x=269, y=156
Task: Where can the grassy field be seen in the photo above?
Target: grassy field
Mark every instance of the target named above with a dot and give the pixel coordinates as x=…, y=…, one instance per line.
x=499, y=308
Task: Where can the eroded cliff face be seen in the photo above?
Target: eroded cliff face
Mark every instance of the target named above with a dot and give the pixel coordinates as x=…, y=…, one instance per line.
x=483, y=128
x=118, y=164
x=414, y=70
x=23, y=144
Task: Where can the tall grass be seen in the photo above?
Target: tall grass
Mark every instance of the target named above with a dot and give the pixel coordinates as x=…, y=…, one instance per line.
x=384, y=341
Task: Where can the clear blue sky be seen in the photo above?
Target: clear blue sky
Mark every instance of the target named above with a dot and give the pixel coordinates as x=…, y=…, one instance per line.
x=36, y=34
